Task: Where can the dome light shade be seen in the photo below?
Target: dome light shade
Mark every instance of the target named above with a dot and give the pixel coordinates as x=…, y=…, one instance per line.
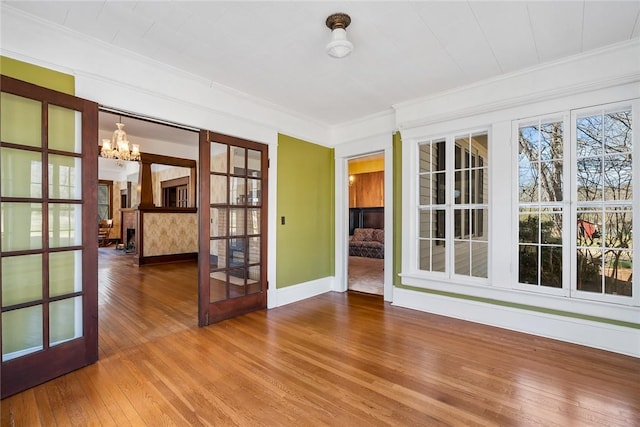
x=339, y=46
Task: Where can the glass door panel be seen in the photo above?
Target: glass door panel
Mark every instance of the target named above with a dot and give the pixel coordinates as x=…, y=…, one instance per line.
x=21, y=173
x=21, y=226
x=22, y=332
x=65, y=177
x=232, y=275
x=48, y=258
x=22, y=279
x=21, y=120
x=65, y=128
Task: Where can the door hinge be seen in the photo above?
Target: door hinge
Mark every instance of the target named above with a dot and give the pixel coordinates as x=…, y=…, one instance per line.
x=268, y=163
x=206, y=318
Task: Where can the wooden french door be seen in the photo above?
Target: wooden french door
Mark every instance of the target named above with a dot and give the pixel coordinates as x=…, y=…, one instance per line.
x=48, y=254
x=233, y=227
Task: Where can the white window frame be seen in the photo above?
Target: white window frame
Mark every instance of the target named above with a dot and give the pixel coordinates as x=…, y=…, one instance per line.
x=449, y=137
x=565, y=205
x=570, y=204
x=635, y=171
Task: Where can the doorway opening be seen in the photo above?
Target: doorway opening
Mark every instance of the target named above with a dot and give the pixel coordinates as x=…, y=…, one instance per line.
x=152, y=233
x=366, y=224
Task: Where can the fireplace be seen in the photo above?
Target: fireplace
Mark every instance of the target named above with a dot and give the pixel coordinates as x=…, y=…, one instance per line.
x=131, y=240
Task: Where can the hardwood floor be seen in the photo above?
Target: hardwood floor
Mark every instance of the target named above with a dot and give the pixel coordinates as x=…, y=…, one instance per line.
x=366, y=275
x=337, y=359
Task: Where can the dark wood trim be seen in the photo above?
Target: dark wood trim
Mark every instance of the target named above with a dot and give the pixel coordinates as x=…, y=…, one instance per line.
x=366, y=218
x=167, y=160
x=204, y=290
x=139, y=238
x=193, y=186
x=165, y=259
x=221, y=310
x=176, y=182
x=21, y=147
x=109, y=185
x=90, y=229
x=168, y=210
x=146, y=185
x=145, y=176
x=29, y=370
x=39, y=93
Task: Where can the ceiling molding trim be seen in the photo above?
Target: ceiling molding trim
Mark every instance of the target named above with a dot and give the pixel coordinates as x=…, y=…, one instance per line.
x=606, y=68
x=365, y=145
x=622, y=46
x=228, y=101
x=522, y=100
x=382, y=123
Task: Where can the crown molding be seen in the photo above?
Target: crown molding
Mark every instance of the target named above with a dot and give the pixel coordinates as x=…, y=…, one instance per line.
x=519, y=73
x=383, y=122
x=265, y=113
x=512, y=102
x=476, y=98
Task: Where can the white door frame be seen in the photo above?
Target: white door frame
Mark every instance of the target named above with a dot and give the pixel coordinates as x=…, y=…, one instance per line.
x=343, y=153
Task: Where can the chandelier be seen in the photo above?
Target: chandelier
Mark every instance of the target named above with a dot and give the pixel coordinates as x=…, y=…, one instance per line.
x=118, y=146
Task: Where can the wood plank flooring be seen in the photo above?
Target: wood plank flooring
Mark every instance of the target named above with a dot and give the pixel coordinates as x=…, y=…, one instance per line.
x=336, y=360
x=366, y=275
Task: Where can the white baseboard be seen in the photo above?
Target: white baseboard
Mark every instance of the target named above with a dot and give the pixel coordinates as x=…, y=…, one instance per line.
x=301, y=291
x=605, y=336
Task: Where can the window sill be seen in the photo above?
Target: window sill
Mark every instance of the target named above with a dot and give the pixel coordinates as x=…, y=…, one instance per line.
x=488, y=292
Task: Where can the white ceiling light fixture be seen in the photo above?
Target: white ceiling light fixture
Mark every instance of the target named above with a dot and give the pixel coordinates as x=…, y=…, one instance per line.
x=118, y=146
x=339, y=46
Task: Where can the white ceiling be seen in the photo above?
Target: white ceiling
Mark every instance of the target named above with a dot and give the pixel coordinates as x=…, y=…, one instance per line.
x=403, y=50
x=138, y=128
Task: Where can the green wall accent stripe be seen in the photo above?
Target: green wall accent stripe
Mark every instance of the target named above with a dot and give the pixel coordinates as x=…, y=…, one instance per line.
x=305, y=242
x=37, y=75
x=397, y=208
x=525, y=307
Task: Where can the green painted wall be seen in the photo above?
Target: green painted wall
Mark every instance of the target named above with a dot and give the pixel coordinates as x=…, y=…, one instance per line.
x=20, y=120
x=397, y=208
x=305, y=243
x=37, y=75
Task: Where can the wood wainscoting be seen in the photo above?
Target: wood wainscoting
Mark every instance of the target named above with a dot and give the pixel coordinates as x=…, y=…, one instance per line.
x=335, y=359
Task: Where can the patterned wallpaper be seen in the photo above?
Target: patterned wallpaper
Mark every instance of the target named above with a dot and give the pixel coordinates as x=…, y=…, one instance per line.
x=170, y=233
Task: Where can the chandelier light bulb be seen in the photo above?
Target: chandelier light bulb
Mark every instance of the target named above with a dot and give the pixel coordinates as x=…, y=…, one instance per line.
x=118, y=146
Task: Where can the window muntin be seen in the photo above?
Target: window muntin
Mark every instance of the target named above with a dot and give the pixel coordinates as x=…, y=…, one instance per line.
x=453, y=205
x=604, y=203
x=432, y=209
x=575, y=205
x=470, y=213
x=541, y=209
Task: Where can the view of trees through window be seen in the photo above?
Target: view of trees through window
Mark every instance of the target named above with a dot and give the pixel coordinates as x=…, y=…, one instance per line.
x=541, y=194
x=603, y=203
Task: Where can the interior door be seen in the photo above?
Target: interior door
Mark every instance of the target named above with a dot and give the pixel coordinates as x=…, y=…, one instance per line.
x=233, y=231
x=48, y=255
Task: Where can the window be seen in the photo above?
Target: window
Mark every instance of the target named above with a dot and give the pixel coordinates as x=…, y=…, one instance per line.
x=575, y=204
x=453, y=218
x=104, y=200
x=604, y=203
x=540, y=198
x=175, y=192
